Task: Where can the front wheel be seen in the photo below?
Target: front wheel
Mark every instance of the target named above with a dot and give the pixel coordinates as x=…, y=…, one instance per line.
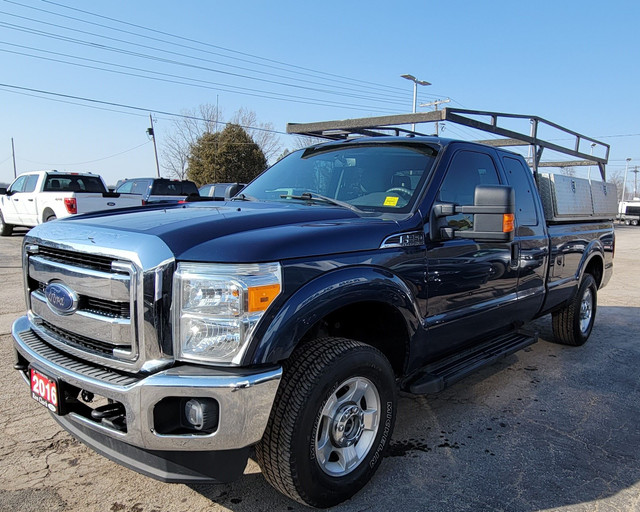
x=572, y=324
x=331, y=422
x=5, y=229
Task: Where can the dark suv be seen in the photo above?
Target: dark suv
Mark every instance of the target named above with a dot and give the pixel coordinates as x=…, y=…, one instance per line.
x=158, y=190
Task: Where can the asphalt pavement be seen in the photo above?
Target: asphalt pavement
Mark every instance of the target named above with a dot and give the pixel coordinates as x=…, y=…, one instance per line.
x=548, y=428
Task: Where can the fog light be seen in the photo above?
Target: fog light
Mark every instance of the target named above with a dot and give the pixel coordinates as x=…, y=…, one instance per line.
x=202, y=413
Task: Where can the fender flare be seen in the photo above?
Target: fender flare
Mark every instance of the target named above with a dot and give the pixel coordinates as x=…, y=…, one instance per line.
x=277, y=338
x=594, y=250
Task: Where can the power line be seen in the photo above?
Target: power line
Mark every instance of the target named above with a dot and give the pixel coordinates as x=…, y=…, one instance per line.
x=315, y=73
x=219, y=87
x=21, y=28
x=132, y=107
x=88, y=161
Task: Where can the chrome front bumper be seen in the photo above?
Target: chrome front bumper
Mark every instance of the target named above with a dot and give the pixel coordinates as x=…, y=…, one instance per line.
x=244, y=397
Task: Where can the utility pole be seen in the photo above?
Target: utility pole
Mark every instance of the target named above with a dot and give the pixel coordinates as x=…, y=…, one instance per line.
x=435, y=103
x=13, y=152
x=151, y=133
x=624, y=183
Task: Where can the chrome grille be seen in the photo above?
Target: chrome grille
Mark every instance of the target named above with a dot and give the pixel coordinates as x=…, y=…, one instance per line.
x=110, y=308
x=82, y=342
x=121, y=286
x=92, y=261
x=104, y=322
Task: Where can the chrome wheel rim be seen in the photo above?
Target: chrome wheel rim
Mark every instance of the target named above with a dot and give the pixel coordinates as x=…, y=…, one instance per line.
x=347, y=426
x=586, y=311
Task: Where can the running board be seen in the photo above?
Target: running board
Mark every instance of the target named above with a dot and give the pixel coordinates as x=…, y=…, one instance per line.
x=437, y=376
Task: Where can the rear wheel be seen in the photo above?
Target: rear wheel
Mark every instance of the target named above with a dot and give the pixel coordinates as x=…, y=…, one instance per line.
x=51, y=217
x=5, y=229
x=634, y=222
x=331, y=422
x=572, y=325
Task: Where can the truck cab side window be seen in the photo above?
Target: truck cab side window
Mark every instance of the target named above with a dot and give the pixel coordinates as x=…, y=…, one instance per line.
x=466, y=170
x=31, y=183
x=18, y=185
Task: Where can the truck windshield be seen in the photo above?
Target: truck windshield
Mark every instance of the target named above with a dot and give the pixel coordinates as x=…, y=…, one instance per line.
x=373, y=177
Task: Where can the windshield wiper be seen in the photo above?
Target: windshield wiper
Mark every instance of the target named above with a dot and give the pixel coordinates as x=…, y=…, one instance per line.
x=242, y=197
x=308, y=196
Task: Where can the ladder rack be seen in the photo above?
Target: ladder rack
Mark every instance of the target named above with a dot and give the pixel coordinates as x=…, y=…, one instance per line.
x=490, y=122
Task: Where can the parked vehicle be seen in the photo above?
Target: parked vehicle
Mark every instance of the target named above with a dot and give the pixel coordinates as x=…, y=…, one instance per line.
x=157, y=190
x=288, y=317
x=629, y=212
x=221, y=190
x=41, y=196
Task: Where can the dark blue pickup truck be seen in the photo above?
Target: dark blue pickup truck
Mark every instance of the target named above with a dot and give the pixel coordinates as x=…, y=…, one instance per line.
x=176, y=339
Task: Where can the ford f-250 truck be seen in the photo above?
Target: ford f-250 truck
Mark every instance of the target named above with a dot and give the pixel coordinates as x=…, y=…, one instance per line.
x=173, y=339
x=42, y=196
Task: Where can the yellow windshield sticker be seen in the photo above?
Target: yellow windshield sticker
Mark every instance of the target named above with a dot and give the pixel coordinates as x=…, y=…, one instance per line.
x=391, y=201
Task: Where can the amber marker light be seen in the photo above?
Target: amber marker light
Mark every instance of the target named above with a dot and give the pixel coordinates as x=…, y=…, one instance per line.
x=261, y=296
x=508, y=223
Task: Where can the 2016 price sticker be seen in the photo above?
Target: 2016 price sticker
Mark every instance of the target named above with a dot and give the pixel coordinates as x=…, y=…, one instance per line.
x=44, y=390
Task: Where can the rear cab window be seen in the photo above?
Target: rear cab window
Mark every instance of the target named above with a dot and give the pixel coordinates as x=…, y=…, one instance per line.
x=73, y=183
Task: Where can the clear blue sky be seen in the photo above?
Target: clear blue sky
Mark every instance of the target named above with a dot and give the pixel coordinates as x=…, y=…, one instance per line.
x=572, y=62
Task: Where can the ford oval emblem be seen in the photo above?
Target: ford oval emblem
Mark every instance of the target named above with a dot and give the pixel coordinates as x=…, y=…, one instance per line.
x=111, y=203
x=61, y=299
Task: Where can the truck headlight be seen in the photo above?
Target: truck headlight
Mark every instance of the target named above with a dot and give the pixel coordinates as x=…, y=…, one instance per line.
x=217, y=306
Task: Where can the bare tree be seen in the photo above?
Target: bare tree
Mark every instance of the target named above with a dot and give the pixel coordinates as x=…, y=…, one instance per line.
x=304, y=141
x=616, y=177
x=197, y=122
x=263, y=134
x=186, y=131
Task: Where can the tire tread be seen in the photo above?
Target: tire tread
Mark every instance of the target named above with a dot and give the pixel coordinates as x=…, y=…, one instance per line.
x=301, y=372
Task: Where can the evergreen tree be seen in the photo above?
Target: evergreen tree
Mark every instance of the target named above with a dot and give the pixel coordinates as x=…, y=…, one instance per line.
x=225, y=157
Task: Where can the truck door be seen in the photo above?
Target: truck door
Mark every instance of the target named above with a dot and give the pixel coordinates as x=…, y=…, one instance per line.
x=471, y=284
x=530, y=244
x=27, y=206
x=11, y=202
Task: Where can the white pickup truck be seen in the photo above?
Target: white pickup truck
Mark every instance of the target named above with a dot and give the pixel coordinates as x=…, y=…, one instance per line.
x=41, y=196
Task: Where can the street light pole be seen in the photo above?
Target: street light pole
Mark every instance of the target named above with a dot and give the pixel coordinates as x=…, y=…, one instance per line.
x=624, y=182
x=416, y=83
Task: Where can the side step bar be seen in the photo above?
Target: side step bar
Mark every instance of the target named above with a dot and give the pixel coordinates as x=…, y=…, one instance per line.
x=437, y=376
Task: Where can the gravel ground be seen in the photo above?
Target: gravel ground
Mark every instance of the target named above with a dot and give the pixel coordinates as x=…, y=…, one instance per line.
x=549, y=428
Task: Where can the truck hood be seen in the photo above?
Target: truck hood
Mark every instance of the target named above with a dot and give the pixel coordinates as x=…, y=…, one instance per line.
x=249, y=232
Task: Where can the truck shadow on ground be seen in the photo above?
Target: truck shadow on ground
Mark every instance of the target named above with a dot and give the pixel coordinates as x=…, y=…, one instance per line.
x=547, y=427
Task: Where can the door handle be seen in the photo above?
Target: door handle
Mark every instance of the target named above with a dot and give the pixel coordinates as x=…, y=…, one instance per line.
x=31, y=200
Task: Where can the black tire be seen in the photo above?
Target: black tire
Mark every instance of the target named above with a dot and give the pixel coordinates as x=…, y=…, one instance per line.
x=318, y=375
x=634, y=222
x=5, y=229
x=627, y=222
x=51, y=217
x=572, y=325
